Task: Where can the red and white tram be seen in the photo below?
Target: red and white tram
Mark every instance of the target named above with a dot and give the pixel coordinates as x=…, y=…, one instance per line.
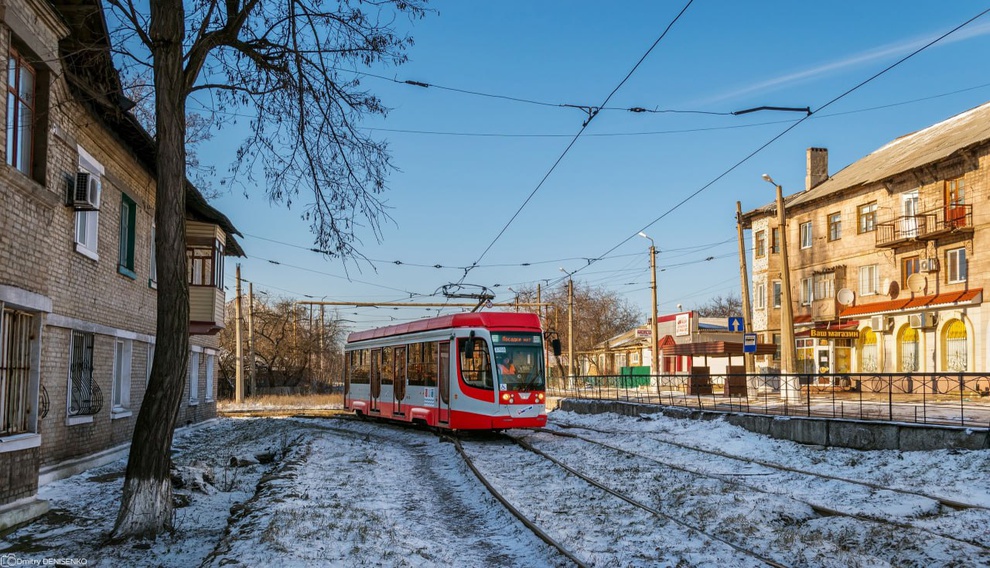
x=471, y=371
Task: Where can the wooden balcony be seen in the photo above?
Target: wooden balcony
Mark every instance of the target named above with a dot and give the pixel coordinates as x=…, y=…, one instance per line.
x=925, y=226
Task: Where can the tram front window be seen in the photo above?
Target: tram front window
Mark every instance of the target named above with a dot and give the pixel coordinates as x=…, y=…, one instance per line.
x=520, y=362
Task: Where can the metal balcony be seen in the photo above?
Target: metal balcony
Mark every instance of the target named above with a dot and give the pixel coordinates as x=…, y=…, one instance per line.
x=925, y=226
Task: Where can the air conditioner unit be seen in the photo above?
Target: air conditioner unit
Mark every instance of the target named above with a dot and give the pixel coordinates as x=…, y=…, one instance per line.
x=86, y=193
x=922, y=320
x=881, y=323
x=928, y=265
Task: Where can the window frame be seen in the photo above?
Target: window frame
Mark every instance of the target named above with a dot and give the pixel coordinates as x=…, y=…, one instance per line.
x=775, y=240
x=197, y=273
x=956, y=267
x=192, y=375
x=777, y=292
x=866, y=218
x=761, y=296
x=807, y=291
x=121, y=389
x=83, y=375
x=834, y=226
x=807, y=235
x=874, y=282
x=909, y=265
x=211, y=361
x=128, y=236
x=17, y=65
x=87, y=223
x=760, y=244
x=18, y=363
x=153, y=263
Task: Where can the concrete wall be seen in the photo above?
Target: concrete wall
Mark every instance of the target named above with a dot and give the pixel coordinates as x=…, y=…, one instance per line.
x=843, y=433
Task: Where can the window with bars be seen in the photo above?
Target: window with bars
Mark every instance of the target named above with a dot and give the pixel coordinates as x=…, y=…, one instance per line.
x=85, y=398
x=15, y=372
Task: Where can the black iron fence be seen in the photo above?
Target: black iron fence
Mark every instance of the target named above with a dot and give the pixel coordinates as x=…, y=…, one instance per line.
x=960, y=399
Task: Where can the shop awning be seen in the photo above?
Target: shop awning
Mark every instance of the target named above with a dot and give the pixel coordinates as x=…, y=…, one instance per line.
x=972, y=296
x=716, y=349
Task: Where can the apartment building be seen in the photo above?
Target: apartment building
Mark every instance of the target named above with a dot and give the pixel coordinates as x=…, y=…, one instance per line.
x=886, y=271
x=77, y=268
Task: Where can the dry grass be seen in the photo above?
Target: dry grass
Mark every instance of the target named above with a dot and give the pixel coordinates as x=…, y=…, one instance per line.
x=301, y=401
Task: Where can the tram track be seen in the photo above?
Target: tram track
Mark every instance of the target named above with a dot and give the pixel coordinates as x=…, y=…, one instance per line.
x=950, y=503
x=818, y=508
x=602, y=488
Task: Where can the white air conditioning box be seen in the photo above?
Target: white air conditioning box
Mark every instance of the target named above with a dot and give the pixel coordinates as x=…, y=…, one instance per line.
x=881, y=323
x=928, y=265
x=86, y=193
x=922, y=320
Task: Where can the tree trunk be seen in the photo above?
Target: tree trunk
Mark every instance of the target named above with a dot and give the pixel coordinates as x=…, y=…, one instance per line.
x=146, y=505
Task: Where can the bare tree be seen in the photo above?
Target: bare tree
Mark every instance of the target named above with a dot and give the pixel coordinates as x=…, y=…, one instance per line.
x=199, y=129
x=599, y=313
x=292, y=347
x=721, y=306
x=286, y=63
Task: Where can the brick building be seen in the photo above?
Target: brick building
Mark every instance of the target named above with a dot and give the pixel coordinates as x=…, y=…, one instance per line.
x=885, y=269
x=77, y=272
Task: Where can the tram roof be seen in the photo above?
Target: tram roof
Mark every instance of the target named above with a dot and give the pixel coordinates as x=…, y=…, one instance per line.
x=496, y=321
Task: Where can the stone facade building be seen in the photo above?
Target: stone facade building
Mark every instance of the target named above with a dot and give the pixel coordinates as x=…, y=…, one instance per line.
x=885, y=265
x=77, y=271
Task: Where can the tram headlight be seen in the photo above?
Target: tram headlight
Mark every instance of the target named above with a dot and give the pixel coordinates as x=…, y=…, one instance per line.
x=506, y=397
x=539, y=396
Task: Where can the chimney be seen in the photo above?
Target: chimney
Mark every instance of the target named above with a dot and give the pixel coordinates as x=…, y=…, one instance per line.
x=817, y=167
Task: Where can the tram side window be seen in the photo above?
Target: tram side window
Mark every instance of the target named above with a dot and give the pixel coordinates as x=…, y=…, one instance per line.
x=360, y=365
x=386, y=368
x=400, y=363
x=430, y=362
x=476, y=370
x=416, y=370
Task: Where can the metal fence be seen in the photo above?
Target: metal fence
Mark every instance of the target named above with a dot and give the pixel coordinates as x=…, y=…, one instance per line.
x=959, y=399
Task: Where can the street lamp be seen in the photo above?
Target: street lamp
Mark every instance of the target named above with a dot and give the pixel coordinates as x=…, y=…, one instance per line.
x=570, y=328
x=654, y=349
x=788, y=357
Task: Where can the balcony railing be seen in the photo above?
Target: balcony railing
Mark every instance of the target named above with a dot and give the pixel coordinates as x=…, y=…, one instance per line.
x=925, y=226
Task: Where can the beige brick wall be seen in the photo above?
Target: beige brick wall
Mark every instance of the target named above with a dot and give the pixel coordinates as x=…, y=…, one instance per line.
x=38, y=254
x=854, y=250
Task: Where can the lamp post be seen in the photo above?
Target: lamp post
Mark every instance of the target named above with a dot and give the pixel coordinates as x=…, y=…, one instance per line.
x=788, y=357
x=654, y=349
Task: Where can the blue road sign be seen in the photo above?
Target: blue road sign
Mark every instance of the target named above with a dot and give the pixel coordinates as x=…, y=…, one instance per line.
x=749, y=343
x=736, y=324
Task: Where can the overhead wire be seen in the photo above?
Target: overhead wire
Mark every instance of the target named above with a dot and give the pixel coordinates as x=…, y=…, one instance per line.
x=788, y=129
x=591, y=116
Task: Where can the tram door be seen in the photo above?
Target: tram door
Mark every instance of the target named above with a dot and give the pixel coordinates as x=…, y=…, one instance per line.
x=444, y=379
x=399, y=388
x=376, y=379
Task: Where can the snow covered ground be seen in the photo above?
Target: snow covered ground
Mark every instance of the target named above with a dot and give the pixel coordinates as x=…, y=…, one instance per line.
x=331, y=492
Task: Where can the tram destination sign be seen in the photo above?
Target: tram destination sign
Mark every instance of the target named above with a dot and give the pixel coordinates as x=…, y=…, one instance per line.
x=835, y=333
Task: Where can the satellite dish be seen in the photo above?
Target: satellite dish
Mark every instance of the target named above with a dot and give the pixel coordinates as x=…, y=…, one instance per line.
x=893, y=290
x=845, y=296
x=885, y=287
x=917, y=282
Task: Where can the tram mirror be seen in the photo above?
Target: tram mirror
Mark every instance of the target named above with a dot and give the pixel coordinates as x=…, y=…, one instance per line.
x=469, y=348
x=555, y=344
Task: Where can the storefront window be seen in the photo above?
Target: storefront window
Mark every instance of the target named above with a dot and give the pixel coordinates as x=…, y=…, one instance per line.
x=869, y=360
x=908, y=343
x=955, y=346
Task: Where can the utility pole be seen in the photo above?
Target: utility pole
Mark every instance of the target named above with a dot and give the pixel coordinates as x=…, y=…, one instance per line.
x=239, y=366
x=251, y=361
x=570, y=331
x=654, y=347
x=323, y=371
x=788, y=357
x=744, y=282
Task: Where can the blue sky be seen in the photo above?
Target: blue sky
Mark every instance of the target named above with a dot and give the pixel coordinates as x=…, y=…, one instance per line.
x=468, y=163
